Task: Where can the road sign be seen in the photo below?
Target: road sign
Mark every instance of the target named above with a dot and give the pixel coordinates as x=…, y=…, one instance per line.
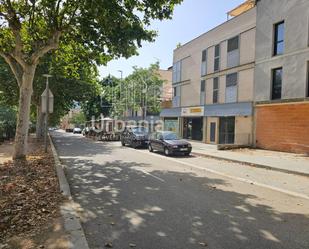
x=50, y=103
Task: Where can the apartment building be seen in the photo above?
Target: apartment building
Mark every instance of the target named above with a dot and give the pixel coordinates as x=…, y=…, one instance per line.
x=281, y=75
x=213, y=83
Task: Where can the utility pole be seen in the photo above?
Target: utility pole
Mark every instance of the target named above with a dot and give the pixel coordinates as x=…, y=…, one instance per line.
x=47, y=110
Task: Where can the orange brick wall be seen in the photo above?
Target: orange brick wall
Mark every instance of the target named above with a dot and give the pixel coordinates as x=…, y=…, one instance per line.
x=283, y=127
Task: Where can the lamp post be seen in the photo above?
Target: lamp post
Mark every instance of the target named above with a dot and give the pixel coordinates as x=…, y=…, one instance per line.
x=47, y=109
x=144, y=102
x=120, y=89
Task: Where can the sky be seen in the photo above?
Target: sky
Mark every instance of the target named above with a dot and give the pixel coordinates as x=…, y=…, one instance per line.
x=190, y=19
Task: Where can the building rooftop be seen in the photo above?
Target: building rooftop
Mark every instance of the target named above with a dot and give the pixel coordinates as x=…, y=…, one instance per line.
x=249, y=4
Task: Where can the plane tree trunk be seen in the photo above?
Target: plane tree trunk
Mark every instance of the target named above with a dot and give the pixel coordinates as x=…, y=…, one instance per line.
x=23, y=67
x=23, y=117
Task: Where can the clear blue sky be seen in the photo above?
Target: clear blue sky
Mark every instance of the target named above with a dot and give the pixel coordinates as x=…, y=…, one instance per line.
x=190, y=19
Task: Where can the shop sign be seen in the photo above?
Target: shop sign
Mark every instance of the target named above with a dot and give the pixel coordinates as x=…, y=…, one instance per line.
x=192, y=111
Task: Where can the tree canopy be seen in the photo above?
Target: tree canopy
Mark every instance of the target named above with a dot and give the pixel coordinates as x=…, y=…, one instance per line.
x=107, y=29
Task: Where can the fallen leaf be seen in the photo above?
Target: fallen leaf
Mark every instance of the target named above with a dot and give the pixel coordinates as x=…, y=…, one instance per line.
x=203, y=244
x=109, y=245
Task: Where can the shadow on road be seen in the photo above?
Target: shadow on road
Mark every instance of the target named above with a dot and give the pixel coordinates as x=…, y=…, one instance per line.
x=118, y=202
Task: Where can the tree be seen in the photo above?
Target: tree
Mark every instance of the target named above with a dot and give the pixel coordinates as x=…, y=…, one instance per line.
x=78, y=119
x=109, y=28
x=139, y=92
x=7, y=121
x=102, y=103
x=74, y=80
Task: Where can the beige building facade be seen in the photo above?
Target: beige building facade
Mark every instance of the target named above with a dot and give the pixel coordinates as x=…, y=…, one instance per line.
x=213, y=84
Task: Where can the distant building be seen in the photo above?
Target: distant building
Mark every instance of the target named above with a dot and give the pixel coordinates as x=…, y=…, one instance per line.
x=167, y=89
x=65, y=120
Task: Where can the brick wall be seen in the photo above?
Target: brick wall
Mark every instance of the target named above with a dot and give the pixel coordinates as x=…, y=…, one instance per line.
x=283, y=127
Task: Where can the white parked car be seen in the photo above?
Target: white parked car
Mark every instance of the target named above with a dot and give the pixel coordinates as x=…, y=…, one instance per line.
x=77, y=130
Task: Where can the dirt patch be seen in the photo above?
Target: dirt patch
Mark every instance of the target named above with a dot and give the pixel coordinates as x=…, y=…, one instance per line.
x=29, y=202
x=6, y=151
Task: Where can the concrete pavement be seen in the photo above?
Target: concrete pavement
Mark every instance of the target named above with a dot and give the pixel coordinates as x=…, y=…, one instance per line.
x=135, y=198
x=274, y=160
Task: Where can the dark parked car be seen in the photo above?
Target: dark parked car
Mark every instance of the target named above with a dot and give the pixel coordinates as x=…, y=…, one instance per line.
x=169, y=143
x=135, y=136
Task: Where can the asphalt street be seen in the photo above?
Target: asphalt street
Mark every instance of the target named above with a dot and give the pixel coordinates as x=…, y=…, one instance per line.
x=137, y=199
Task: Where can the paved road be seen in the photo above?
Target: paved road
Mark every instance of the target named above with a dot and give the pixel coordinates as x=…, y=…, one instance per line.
x=128, y=196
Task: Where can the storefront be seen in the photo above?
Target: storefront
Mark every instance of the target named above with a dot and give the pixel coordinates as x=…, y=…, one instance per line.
x=192, y=123
x=171, y=124
x=213, y=124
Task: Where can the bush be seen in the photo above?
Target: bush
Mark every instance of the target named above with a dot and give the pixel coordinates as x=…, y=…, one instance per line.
x=7, y=122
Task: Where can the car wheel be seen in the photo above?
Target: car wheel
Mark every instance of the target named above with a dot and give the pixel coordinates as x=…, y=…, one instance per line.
x=187, y=154
x=150, y=148
x=166, y=151
x=123, y=143
x=134, y=145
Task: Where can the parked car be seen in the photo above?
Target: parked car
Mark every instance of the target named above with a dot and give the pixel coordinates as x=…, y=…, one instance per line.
x=169, y=143
x=77, y=130
x=134, y=136
x=85, y=131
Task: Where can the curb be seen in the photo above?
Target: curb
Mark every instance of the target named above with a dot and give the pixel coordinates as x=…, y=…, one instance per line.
x=256, y=165
x=71, y=221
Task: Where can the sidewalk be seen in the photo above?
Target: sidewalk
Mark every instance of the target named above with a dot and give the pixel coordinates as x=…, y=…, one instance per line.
x=279, y=161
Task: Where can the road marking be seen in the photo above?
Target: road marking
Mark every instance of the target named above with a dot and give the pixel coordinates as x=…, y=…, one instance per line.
x=295, y=194
x=147, y=173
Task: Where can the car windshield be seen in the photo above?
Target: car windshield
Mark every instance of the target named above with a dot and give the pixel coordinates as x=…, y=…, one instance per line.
x=139, y=130
x=170, y=136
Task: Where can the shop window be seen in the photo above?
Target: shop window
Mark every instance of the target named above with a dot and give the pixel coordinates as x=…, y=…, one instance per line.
x=279, y=38
x=276, y=83
x=204, y=63
x=217, y=58
x=231, y=88
x=215, y=94
x=193, y=128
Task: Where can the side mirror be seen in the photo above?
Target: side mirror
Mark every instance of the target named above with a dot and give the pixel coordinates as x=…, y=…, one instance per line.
x=161, y=138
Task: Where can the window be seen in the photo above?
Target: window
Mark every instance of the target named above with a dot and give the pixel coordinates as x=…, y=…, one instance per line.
x=232, y=44
x=177, y=72
x=233, y=52
x=202, y=92
x=204, y=63
x=231, y=88
x=176, y=98
x=203, y=86
x=217, y=58
x=279, y=38
x=215, y=93
x=276, y=83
